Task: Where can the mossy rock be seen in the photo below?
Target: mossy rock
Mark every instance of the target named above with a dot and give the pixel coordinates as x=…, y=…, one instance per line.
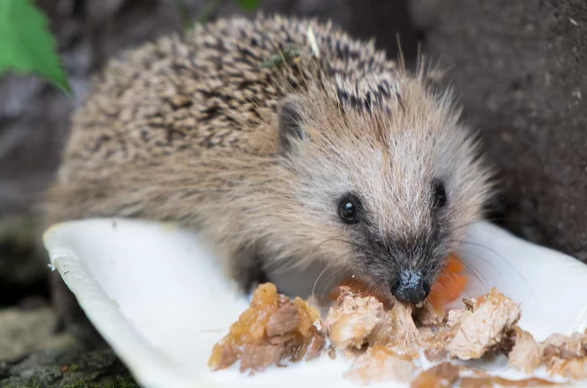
x=67, y=368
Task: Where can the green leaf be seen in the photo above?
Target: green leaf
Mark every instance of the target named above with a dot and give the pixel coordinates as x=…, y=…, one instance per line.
x=183, y=13
x=249, y=5
x=26, y=45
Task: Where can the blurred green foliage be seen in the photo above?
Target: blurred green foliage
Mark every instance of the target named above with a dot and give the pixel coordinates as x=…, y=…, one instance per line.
x=209, y=8
x=27, y=45
x=249, y=5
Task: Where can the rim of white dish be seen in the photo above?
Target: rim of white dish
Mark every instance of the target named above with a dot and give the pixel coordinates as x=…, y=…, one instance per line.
x=143, y=362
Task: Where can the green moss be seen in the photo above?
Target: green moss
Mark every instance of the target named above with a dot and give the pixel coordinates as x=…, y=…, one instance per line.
x=118, y=382
x=21, y=386
x=67, y=369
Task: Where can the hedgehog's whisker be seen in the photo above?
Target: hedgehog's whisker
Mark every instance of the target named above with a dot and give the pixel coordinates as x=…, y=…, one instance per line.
x=481, y=257
x=453, y=278
x=332, y=274
x=472, y=270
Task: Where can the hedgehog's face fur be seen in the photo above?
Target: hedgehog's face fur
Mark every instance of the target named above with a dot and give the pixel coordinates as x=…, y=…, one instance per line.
x=386, y=190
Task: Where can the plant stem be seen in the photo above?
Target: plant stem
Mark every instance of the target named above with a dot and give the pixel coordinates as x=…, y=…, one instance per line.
x=208, y=10
x=184, y=16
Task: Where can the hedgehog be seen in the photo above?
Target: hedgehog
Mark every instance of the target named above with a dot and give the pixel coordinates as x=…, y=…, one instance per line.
x=279, y=140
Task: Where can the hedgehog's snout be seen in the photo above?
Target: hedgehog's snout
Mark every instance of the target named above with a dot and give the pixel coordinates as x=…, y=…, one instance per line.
x=410, y=287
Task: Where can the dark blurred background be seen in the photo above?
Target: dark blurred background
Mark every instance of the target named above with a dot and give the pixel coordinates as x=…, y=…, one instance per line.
x=519, y=67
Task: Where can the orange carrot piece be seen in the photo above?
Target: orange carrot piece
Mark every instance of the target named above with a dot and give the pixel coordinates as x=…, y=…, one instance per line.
x=449, y=285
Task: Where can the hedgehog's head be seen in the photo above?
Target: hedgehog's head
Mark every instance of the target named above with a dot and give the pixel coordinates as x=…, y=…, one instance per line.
x=382, y=179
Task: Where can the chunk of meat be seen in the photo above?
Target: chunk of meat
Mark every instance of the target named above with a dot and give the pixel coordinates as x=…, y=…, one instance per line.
x=566, y=356
x=284, y=321
x=379, y=364
x=435, y=343
x=436, y=338
x=525, y=354
x=404, y=334
x=456, y=317
x=362, y=289
x=428, y=316
x=316, y=345
x=435, y=353
x=575, y=346
x=271, y=330
x=356, y=320
x=556, y=339
x=259, y=357
x=485, y=327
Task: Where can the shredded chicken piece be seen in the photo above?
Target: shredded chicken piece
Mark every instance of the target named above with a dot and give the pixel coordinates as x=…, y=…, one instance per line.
x=455, y=317
x=379, y=364
x=405, y=335
x=575, y=345
x=525, y=354
x=427, y=316
x=356, y=321
x=485, y=327
x=566, y=356
x=436, y=337
x=360, y=288
x=434, y=341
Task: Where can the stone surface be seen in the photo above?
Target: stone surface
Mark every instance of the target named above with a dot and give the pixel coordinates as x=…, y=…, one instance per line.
x=25, y=331
x=23, y=265
x=66, y=368
x=519, y=68
x=31, y=355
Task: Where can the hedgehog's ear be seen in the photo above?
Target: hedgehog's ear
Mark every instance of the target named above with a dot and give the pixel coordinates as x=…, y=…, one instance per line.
x=291, y=123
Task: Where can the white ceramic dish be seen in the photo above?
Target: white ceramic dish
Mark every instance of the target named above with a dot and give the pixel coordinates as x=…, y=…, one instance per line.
x=161, y=301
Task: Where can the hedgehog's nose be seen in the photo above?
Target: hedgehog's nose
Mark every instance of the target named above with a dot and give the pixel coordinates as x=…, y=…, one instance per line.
x=410, y=287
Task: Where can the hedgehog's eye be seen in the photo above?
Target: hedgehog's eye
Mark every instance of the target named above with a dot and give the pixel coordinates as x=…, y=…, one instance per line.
x=439, y=194
x=348, y=210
